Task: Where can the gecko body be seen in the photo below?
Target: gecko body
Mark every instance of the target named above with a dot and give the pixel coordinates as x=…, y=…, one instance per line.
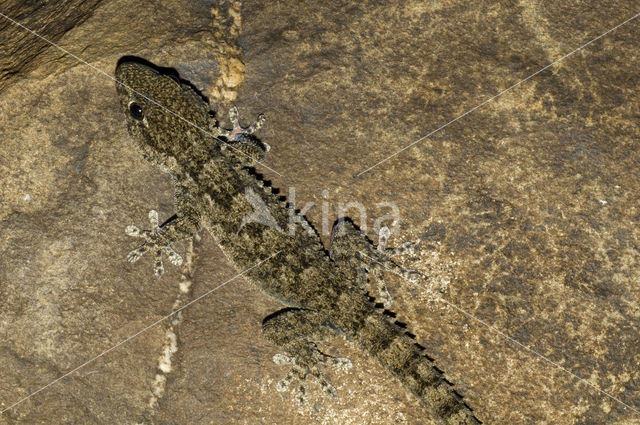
x=325, y=294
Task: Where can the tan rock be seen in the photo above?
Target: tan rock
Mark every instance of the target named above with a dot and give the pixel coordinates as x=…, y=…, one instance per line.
x=527, y=207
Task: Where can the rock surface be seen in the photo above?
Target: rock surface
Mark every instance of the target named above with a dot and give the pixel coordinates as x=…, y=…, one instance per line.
x=23, y=51
x=526, y=208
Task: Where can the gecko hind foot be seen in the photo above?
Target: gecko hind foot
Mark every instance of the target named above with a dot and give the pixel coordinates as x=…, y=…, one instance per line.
x=150, y=244
x=302, y=368
x=350, y=247
x=385, y=254
x=406, y=248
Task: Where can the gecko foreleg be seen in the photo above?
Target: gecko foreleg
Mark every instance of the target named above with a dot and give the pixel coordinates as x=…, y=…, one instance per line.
x=159, y=239
x=241, y=141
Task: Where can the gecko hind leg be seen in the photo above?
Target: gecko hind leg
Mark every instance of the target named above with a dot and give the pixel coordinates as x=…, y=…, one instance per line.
x=381, y=261
x=349, y=244
x=296, y=331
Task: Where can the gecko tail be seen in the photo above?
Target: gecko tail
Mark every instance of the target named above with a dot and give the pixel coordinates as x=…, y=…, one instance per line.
x=400, y=354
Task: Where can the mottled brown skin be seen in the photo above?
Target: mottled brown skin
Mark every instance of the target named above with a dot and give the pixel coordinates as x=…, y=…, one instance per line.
x=325, y=295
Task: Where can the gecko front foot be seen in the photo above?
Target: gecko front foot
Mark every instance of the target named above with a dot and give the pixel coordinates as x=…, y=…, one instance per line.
x=242, y=142
x=302, y=367
x=151, y=243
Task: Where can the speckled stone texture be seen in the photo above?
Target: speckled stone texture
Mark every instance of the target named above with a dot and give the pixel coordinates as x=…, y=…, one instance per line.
x=23, y=52
x=526, y=208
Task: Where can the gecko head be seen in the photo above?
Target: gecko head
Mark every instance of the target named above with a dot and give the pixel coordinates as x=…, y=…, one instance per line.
x=165, y=117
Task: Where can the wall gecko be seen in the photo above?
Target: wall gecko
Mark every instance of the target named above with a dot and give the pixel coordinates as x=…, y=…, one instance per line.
x=325, y=294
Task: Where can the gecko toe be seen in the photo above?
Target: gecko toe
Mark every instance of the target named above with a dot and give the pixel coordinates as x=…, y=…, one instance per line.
x=158, y=268
x=135, y=255
x=172, y=255
x=133, y=231
x=306, y=367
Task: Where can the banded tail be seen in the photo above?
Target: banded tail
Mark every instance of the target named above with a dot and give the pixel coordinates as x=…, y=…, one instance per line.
x=399, y=353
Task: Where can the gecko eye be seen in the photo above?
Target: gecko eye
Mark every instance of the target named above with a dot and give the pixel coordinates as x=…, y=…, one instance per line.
x=136, y=111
